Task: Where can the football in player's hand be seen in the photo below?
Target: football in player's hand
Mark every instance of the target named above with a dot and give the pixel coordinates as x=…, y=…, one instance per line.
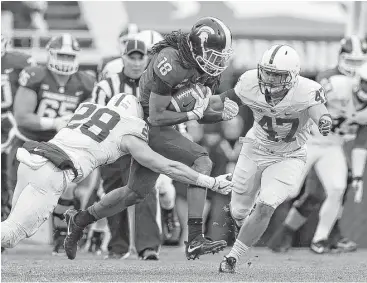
x=184, y=99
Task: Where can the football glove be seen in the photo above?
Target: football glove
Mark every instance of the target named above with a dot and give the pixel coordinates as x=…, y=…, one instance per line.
x=201, y=104
x=325, y=124
x=223, y=184
x=357, y=186
x=230, y=109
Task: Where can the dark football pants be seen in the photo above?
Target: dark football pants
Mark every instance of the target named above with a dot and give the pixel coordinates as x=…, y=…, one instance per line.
x=169, y=143
x=147, y=232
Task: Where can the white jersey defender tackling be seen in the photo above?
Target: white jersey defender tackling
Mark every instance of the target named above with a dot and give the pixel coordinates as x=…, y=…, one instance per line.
x=95, y=135
x=273, y=153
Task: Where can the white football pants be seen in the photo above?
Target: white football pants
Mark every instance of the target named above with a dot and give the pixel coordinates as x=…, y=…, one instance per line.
x=39, y=186
x=264, y=176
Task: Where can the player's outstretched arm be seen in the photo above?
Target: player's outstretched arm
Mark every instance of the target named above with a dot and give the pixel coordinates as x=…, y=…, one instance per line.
x=320, y=115
x=143, y=154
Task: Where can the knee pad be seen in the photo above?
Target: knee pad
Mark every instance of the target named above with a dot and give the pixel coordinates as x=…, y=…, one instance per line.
x=239, y=213
x=307, y=204
x=203, y=165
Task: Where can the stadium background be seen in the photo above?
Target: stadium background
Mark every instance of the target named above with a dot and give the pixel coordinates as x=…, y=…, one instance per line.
x=312, y=28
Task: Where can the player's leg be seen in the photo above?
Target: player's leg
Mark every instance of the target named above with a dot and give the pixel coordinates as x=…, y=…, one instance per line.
x=278, y=183
x=282, y=239
x=35, y=197
x=332, y=170
x=115, y=176
x=172, y=144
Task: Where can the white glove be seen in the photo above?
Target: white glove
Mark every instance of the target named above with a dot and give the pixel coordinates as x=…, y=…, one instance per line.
x=223, y=184
x=325, y=124
x=200, y=105
x=61, y=122
x=357, y=185
x=230, y=109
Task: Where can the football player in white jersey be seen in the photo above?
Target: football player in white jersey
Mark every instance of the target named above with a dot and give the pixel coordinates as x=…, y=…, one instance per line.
x=94, y=136
x=347, y=106
x=273, y=153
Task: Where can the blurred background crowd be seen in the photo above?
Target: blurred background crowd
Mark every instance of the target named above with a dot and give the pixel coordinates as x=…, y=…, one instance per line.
x=314, y=29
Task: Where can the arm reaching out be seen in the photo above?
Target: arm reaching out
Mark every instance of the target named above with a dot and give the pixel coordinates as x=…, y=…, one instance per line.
x=319, y=114
x=143, y=154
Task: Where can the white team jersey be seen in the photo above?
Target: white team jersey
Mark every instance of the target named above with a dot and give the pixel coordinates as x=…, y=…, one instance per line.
x=342, y=106
x=112, y=67
x=284, y=127
x=94, y=134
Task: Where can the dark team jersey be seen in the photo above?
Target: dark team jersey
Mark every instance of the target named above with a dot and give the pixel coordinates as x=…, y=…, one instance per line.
x=165, y=74
x=12, y=63
x=114, y=84
x=53, y=100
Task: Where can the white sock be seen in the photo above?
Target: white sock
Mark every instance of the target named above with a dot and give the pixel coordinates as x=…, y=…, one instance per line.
x=328, y=215
x=239, y=249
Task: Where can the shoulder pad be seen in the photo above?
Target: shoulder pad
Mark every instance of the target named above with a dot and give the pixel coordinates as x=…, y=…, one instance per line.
x=32, y=76
x=22, y=60
x=167, y=67
x=136, y=127
x=247, y=81
x=310, y=92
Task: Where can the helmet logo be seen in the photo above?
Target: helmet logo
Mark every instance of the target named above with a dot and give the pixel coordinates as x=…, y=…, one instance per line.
x=203, y=33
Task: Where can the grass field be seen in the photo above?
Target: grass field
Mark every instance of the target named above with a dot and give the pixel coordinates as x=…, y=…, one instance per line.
x=35, y=263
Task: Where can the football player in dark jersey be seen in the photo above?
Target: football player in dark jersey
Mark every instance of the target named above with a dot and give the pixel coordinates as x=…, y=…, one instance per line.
x=352, y=55
x=12, y=63
x=47, y=97
x=181, y=59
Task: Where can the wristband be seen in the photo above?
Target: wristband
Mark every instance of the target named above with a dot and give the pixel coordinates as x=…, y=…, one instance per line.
x=205, y=181
x=47, y=123
x=326, y=115
x=191, y=116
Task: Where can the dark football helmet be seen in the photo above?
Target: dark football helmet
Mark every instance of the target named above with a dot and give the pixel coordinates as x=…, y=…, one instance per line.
x=63, y=54
x=210, y=41
x=352, y=54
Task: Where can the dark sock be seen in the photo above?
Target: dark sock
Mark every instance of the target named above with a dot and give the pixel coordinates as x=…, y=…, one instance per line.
x=84, y=218
x=195, y=227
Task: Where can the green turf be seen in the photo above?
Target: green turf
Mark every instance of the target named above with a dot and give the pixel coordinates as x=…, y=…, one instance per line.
x=35, y=263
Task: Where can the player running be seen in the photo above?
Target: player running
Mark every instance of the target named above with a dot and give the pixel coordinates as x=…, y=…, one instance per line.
x=181, y=59
x=346, y=103
x=273, y=153
x=95, y=135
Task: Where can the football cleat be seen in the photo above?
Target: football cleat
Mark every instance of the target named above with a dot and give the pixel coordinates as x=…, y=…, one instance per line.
x=228, y=265
x=282, y=240
x=201, y=245
x=112, y=255
x=74, y=234
x=344, y=245
x=320, y=247
x=149, y=254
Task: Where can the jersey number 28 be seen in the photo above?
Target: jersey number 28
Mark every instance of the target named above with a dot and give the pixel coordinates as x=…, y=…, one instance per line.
x=99, y=125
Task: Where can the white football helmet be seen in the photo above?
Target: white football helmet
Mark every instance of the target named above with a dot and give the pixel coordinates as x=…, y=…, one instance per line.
x=352, y=54
x=149, y=37
x=126, y=105
x=278, y=69
x=361, y=92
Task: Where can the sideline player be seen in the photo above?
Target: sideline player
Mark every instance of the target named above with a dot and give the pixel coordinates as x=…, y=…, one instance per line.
x=94, y=136
x=181, y=59
x=345, y=102
x=273, y=153
x=47, y=97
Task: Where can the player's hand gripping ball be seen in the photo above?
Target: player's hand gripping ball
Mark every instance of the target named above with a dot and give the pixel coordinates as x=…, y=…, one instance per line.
x=188, y=98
